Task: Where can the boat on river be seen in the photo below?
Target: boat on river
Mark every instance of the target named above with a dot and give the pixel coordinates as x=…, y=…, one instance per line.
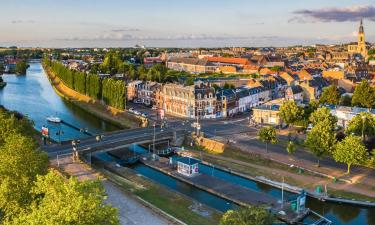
x=53, y=119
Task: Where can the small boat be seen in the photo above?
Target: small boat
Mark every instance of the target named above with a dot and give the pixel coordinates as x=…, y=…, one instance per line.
x=53, y=119
x=129, y=161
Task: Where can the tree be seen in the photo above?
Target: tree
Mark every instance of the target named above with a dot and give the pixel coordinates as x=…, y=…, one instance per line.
x=20, y=163
x=267, y=135
x=228, y=86
x=345, y=100
x=111, y=64
x=362, y=125
x=276, y=68
x=291, y=147
x=364, y=95
x=350, y=151
x=21, y=67
x=59, y=201
x=290, y=113
x=251, y=215
x=323, y=114
x=321, y=139
x=330, y=95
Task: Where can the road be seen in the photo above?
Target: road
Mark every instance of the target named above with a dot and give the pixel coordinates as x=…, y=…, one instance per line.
x=131, y=212
x=110, y=140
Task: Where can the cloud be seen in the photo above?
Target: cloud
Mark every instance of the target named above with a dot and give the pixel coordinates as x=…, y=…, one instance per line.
x=115, y=35
x=352, y=13
x=120, y=30
x=22, y=21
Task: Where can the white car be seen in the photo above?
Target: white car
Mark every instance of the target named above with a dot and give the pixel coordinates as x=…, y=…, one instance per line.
x=154, y=107
x=309, y=127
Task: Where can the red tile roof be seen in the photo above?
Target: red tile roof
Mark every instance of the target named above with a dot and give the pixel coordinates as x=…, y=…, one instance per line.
x=241, y=61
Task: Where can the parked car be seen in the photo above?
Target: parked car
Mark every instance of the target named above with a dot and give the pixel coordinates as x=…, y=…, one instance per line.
x=309, y=127
x=131, y=110
x=136, y=112
x=144, y=115
x=154, y=107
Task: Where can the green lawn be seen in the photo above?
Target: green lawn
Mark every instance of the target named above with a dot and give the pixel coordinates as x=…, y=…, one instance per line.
x=168, y=201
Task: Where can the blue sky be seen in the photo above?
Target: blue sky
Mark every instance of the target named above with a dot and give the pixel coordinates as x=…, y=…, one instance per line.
x=177, y=23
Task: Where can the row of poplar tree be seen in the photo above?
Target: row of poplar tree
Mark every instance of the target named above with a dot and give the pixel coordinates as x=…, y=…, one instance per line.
x=111, y=91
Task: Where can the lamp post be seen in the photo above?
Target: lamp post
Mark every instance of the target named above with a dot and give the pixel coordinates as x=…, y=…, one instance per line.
x=363, y=127
x=153, y=141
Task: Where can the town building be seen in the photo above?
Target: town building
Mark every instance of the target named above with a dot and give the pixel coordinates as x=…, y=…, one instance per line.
x=187, y=166
x=345, y=114
x=132, y=90
x=192, y=101
x=359, y=47
x=295, y=93
x=146, y=93
x=267, y=114
x=191, y=65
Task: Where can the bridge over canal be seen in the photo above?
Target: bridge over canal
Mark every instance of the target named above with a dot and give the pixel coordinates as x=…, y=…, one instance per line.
x=117, y=140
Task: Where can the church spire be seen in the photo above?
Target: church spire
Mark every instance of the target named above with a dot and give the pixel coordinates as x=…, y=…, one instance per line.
x=361, y=30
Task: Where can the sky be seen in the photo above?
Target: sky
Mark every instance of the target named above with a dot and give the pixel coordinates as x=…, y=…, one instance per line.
x=183, y=23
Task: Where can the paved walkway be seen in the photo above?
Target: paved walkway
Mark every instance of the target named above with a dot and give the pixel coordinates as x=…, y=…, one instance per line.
x=131, y=211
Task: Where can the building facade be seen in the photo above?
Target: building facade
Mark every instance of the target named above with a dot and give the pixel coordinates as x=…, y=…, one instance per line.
x=359, y=47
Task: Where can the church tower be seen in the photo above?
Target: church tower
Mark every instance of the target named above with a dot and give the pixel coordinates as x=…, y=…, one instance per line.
x=362, y=41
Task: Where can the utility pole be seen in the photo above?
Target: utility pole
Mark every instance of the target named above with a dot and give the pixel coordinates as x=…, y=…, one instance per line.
x=363, y=127
x=282, y=193
x=153, y=141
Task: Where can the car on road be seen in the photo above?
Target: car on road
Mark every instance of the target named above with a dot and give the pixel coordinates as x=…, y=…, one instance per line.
x=136, y=113
x=131, y=110
x=309, y=127
x=154, y=107
x=144, y=115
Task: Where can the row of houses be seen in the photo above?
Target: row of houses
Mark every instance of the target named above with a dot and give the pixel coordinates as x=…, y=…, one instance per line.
x=212, y=64
x=208, y=98
x=269, y=114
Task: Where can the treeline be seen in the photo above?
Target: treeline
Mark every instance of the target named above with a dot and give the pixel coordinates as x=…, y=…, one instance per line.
x=21, y=67
x=111, y=91
x=353, y=146
x=30, y=193
x=363, y=96
x=113, y=64
x=111, y=97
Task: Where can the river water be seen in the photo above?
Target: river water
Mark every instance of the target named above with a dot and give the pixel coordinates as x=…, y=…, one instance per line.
x=33, y=96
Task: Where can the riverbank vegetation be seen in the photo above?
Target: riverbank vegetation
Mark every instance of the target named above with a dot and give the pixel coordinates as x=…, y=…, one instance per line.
x=111, y=91
x=21, y=67
x=251, y=215
x=2, y=82
x=90, y=105
x=30, y=193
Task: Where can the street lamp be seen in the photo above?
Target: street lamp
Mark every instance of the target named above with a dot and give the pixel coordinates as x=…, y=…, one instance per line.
x=153, y=141
x=363, y=127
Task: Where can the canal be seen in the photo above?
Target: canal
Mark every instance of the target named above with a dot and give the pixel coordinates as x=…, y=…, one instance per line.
x=340, y=214
x=33, y=96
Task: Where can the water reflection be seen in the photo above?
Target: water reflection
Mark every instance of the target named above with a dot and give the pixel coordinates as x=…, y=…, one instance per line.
x=32, y=95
